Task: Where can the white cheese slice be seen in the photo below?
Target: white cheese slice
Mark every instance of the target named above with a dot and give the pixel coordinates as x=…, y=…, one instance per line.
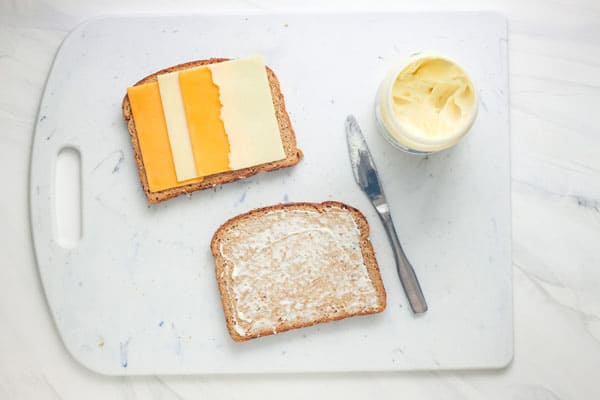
x=247, y=112
x=179, y=138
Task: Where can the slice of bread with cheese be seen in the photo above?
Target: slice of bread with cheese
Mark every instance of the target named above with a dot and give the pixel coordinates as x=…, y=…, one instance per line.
x=200, y=124
x=294, y=265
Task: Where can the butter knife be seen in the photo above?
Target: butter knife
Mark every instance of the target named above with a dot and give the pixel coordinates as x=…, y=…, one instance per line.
x=365, y=174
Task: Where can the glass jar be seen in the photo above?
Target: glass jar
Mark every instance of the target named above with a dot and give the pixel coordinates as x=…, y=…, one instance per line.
x=410, y=123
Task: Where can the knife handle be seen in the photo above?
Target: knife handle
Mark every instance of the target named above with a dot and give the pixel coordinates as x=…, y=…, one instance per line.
x=407, y=275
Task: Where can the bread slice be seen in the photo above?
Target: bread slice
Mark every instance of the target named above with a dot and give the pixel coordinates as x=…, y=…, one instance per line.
x=294, y=265
x=288, y=138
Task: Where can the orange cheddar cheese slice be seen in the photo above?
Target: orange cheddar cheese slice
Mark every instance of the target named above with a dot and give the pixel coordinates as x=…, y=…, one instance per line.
x=209, y=140
x=153, y=137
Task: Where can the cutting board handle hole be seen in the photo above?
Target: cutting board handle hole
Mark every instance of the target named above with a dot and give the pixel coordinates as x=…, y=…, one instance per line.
x=67, y=203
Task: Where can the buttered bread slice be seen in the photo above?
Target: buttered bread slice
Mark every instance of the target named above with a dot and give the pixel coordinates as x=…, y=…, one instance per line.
x=204, y=123
x=295, y=265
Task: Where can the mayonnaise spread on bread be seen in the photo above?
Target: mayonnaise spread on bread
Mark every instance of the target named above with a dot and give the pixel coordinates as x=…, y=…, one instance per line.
x=294, y=266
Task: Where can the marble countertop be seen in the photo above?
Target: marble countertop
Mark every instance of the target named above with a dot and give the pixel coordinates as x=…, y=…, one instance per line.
x=554, y=62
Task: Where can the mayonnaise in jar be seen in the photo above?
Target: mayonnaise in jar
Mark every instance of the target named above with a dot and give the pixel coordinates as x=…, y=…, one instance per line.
x=426, y=104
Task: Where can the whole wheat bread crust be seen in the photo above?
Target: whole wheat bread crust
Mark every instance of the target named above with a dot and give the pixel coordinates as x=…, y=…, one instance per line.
x=226, y=290
x=292, y=153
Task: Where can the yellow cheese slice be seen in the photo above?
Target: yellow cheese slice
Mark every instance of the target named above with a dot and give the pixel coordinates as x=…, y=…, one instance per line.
x=248, y=112
x=209, y=141
x=153, y=138
x=179, y=138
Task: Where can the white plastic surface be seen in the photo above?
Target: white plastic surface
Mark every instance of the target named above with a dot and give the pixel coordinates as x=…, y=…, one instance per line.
x=137, y=294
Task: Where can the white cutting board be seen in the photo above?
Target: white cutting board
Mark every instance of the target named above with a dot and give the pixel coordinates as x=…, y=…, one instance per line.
x=137, y=293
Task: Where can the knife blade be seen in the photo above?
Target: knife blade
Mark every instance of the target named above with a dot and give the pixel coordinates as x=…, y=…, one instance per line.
x=365, y=175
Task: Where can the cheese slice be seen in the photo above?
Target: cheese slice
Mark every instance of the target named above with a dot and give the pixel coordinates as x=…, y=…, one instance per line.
x=152, y=135
x=247, y=112
x=179, y=138
x=153, y=139
x=209, y=141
